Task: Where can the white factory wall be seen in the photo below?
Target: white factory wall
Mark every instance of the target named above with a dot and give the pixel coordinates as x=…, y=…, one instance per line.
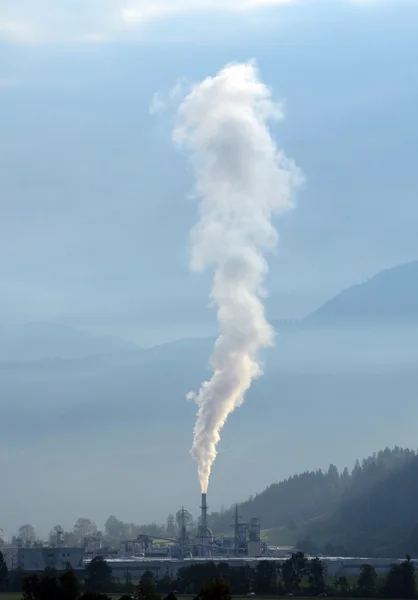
x=38, y=559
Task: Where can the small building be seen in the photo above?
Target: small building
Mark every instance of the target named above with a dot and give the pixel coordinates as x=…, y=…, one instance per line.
x=36, y=559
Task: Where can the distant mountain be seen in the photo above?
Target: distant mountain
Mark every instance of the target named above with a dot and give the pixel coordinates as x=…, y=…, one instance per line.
x=391, y=296
x=37, y=341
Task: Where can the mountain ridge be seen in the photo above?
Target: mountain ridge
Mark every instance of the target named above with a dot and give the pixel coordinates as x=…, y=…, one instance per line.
x=388, y=298
x=389, y=294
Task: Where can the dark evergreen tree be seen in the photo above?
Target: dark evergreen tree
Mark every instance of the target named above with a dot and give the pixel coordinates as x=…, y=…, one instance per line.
x=341, y=586
x=146, y=588
x=98, y=575
x=400, y=581
x=316, y=571
x=69, y=585
x=265, y=578
x=35, y=587
x=367, y=582
x=293, y=570
x=4, y=571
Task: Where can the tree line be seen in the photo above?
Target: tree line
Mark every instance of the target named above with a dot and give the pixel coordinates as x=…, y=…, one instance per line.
x=296, y=576
x=300, y=576
x=113, y=533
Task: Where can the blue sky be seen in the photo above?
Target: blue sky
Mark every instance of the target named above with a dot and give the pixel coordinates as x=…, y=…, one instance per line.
x=94, y=203
x=95, y=236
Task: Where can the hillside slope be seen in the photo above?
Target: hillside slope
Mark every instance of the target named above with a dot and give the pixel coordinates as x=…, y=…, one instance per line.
x=382, y=520
x=316, y=510
x=391, y=296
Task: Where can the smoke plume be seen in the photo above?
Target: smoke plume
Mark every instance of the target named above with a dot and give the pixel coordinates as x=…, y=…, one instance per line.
x=242, y=179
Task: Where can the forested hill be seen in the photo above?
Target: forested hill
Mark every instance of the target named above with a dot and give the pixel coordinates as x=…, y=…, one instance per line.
x=335, y=511
x=382, y=520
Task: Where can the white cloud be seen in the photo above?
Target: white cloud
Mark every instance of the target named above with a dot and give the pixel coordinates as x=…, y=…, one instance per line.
x=95, y=21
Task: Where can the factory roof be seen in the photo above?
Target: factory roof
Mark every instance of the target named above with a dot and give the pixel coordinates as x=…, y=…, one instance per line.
x=203, y=559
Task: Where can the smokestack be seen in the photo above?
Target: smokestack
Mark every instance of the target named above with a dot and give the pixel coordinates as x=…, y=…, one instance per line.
x=204, y=509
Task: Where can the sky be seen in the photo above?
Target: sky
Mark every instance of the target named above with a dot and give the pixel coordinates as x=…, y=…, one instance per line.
x=95, y=199
x=94, y=236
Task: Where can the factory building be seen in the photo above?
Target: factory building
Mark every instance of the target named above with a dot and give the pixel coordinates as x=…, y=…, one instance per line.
x=167, y=557
x=36, y=559
x=245, y=542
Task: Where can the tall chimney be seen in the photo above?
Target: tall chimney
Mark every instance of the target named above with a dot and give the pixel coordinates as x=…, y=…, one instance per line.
x=204, y=512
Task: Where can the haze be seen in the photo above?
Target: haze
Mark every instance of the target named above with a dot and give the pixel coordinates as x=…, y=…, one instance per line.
x=95, y=217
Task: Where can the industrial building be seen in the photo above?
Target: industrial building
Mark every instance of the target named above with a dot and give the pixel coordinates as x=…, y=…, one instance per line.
x=37, y=559
x=245, y=542
x=165, y=557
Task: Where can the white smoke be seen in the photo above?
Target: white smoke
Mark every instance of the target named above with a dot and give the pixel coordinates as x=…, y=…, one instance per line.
x=242, y=179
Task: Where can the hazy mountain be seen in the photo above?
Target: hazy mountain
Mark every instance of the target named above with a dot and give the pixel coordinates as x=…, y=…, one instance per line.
x=35, y=341
x=389, y=297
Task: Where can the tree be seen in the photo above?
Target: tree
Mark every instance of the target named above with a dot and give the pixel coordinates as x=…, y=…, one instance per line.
x=184, y=520
x=216, y=589
x=265, y=577
x=56, y=535
x=146, y=589
x=116, y=531
x=16, y=578
x=27, y=534
x=83, y=528
x=241, y=579
x=165, y=584
x=4, y=571
x=40, y=588
x=316, y=576
x=69, y=585
x=341, y=586
x=171, y=526
x=293, y=571
x=367, y=581
x=31, y=587
x=400, y=580
x=407, y=569
x=98, y=575
x=129, y=586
